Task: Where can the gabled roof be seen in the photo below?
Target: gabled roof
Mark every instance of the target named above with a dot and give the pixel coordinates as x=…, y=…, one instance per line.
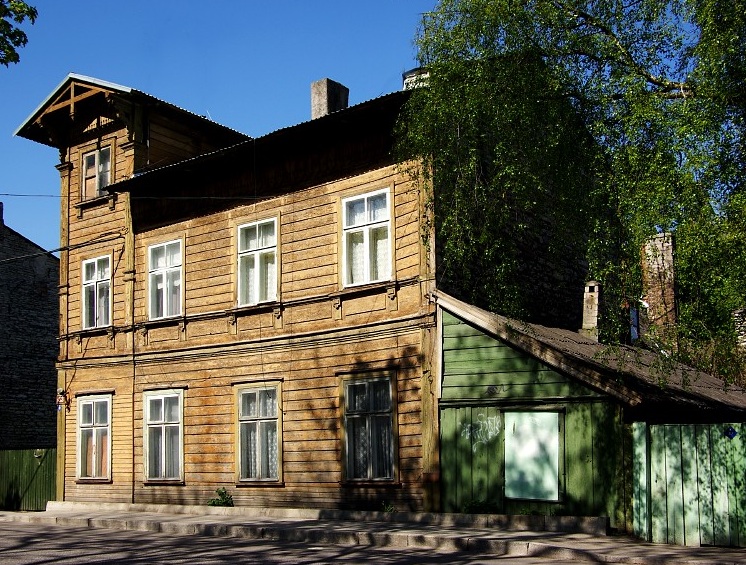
x=648, y=383
x=76, y=88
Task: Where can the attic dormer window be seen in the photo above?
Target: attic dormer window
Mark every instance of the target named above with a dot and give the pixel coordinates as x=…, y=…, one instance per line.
x=96, y=172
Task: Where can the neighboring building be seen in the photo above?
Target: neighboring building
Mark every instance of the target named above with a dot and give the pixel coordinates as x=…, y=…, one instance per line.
x=263, y=316
x=28, y=349
x=537, y=420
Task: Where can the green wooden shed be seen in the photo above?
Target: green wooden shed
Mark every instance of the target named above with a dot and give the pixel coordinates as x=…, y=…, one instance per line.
x=537, y=420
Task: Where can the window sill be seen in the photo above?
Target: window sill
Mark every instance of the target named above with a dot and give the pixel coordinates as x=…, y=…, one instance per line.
x=93, y=481
x=260, y=484
x=96, y=201
x=164, y=482
x=356, y=483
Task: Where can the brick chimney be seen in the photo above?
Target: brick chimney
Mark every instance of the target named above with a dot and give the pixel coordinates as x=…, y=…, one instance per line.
x=327, y=96
x=658, y=288
x=591, y=298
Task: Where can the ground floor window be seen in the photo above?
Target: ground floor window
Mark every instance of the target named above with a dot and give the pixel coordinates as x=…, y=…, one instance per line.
x=94, y=437
x=369, y=435
x=163, y=435
x=532, y=448
x=259, y=434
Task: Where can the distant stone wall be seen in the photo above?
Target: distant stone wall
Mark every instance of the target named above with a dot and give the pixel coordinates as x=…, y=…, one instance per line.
x=28, y=343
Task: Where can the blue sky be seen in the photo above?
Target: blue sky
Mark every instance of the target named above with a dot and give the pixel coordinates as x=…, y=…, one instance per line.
x=248, y=64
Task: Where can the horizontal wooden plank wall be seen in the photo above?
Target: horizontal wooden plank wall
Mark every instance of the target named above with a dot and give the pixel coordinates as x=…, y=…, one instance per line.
x=697, y=487
x=322, y=332
x=27, y=478
x=482, y=377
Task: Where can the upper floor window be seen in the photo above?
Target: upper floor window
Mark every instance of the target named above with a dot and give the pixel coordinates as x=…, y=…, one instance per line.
x=94, y=437
x=97, y=292
x=163, y=435
x=164, y=279
x=257, y=262
x=258, y=435
x=96, y=172
x=369, y=429
x=366, y=238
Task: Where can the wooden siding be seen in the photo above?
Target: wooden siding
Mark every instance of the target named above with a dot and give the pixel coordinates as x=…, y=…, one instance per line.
x=27, y=478
x=315, y=333
x=483, y=377
x=692, y=476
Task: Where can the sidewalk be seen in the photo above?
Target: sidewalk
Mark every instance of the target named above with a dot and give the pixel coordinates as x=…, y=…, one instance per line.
x=477, y=534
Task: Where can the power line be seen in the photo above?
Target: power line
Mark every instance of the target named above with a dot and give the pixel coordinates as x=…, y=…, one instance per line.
x=103, y=238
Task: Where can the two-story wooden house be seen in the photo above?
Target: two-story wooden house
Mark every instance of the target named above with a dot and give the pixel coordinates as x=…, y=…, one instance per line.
x=253, y=317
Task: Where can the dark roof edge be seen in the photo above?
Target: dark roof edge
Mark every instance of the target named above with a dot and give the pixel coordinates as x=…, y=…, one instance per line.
x=123, y=185
x=120, y=89
x=515, y=333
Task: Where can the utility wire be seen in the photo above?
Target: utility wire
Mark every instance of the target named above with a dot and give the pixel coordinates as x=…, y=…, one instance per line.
x=103, y=238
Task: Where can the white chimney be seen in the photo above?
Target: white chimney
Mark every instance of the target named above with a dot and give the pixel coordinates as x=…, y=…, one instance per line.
x=328, y=96
x=591, y=298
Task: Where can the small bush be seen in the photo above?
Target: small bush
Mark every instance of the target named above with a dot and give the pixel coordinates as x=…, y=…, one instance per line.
x=223, y=498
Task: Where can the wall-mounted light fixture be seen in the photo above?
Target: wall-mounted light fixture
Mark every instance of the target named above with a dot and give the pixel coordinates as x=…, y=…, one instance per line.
x=63, y=399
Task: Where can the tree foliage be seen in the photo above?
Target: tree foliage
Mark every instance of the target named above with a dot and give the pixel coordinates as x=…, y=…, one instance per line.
x=660, y=88
x=12, y=37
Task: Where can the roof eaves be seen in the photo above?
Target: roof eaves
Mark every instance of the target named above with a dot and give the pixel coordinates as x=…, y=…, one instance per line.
x=69, y=78
x=235, y=147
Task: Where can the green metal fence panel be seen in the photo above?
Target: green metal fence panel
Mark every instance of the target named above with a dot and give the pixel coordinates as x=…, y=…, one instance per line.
x=27, y=478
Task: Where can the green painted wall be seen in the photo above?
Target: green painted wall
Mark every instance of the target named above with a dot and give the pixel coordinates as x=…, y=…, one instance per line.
x=27, y=478
x=482, y=379
x=697, y=486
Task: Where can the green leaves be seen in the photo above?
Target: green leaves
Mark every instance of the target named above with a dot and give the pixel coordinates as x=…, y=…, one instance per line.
x=12, y=38
x=575, y=127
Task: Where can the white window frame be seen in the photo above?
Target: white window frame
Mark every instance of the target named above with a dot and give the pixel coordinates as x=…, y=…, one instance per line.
x=171, y=306
x=97, y=283
x=155, y=421
x=262, y=421
x=262, y=292
x=533, y=445
x=101, y=175
x=89, y=419
x=366, y=228
x=372, y=418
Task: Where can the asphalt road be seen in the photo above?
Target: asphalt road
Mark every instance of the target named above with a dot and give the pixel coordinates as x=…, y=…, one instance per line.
x=22, y=543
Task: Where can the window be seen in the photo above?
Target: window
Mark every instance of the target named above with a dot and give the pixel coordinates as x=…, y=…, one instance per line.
x=368, y=426
x=257, y=263
x=96, y=172
x=165, y=279
x=258, y=433
x=163, y=437
x=96, y=292
x=532, y=455
x=366, y=245
x=94, y=437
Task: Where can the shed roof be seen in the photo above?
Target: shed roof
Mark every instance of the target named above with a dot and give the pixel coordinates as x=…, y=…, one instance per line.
x=653, y=386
